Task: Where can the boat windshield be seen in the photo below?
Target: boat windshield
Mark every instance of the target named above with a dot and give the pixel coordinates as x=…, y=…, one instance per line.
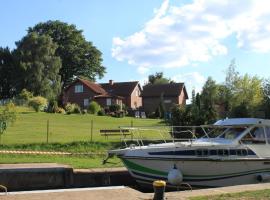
x=232, y=133
x=229, y=133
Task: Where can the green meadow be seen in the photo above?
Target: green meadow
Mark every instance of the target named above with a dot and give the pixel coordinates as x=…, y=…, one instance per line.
x=68, y=133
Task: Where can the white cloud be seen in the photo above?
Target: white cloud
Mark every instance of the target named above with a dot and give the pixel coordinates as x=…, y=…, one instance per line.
x=182, y=35
x=192, y=80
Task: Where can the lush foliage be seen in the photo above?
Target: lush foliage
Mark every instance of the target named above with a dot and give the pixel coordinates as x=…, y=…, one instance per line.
x=39, y=64
x=94, y=107
x=114, y=108
x=8, y=75
x=72, y=108
x=25, y=96
x=158, y=78
x=38, y=103
x=7, y=116
x=79, y=57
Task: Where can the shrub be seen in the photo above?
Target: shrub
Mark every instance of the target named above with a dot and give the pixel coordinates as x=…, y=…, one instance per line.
x=25, y=95
x=77, y=109
x=114, y=108
x=60, y=110
x=101, y=112
x=84, y=111
x=38, y=103
x=72, y=108
x=52, y=107
x=69, y=108
x=94, y=107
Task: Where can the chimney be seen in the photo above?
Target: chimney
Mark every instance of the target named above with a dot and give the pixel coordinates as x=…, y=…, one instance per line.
x=111, y=82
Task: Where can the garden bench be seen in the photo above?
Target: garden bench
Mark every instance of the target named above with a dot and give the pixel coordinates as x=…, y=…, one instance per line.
x=114, y=132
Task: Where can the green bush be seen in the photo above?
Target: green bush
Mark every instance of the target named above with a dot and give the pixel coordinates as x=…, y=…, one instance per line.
x=114, y=108
x=77, y=109
x=38, y=103
x=72, y=108
x=93, y=108
x=101, y=112
x=52, y=107
x=24, y=97
x=60, y=110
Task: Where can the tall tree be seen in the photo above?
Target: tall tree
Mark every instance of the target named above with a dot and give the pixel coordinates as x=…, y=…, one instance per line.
x=79, y=57
x=9, y=78
x=266, y=98
x=208, y=99
x=36, y=56
x=158, y=78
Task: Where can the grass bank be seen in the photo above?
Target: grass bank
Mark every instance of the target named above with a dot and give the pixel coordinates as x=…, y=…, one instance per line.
x=67, y=133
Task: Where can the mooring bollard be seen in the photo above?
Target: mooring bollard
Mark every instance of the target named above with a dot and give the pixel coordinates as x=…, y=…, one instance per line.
x=159, y=189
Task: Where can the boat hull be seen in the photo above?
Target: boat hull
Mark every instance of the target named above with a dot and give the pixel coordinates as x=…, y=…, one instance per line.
x=200, y=173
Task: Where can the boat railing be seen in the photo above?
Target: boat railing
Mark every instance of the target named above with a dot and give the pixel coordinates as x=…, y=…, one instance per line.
x=143, y=135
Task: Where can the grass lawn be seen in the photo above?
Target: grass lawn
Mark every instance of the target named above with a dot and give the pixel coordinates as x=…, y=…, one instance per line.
x=67, y=133
x=31, y=127
x=83, y=162
x=251, y=195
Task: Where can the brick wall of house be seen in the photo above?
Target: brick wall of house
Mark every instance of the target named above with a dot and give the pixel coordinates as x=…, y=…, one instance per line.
x=71, y=97
x=182, y=99
x=150, y=104
x=135, y=100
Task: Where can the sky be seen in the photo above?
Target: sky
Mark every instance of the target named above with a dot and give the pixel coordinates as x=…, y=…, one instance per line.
x=187, y=40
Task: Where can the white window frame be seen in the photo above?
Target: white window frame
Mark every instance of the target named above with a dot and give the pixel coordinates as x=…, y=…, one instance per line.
x=78, y=88
x=108, y=101
x=85, y=102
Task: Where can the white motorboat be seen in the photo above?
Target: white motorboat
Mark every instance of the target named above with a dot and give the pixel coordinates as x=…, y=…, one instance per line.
x=230, y=152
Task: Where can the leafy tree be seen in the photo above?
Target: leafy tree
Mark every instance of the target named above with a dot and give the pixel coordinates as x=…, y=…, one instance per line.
x=266, y=98
x=7, y=116
x=9, y=79
x=248, y=92
x=79, y=57
x=158, y=78
x=36, y=56
x=232, y=76
x=208, y=99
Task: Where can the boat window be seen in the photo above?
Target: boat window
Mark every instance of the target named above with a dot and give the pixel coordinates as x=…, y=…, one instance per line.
x=244, y=152
x=232, y=133
x=202, y=152
x=205, y=152
x=239, y=152
x=199, y=152
x=254, y=136
x=220, y=152
x=233, y=152
x=213, y=152
x=267, y=131
x=214, y=132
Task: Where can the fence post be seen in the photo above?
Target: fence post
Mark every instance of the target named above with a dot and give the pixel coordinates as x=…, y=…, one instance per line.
x=91, y=130
x=48, y=124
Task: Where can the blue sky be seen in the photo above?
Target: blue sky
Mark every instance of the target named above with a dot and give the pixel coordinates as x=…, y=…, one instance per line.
x=187, y=40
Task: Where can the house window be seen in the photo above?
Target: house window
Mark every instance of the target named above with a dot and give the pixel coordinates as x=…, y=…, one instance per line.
x=78, y=88
x=108, y=101
x=86, y=102
x=167, y=101
x=137, y=93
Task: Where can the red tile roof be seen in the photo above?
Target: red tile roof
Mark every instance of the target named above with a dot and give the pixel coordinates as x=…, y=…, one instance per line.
x=120, y=88
x=93, y=86
x=170, y=89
